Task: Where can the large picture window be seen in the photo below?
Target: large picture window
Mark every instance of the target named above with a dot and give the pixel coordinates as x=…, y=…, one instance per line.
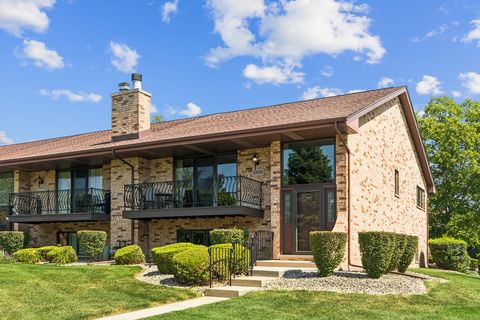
x=6, y=187
x=308, y=162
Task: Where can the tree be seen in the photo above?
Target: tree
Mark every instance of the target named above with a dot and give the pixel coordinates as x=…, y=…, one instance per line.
x=157, y=118
x=309, y=165
x=451, y=134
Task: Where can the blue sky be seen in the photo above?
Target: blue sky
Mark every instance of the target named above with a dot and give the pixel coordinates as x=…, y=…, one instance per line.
x=61, y=59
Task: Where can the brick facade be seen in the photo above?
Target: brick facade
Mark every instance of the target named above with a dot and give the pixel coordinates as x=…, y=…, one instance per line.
x=130, y=112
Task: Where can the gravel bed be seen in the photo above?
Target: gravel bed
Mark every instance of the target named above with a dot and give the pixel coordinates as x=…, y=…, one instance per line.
x=350, y=282
x=151, y=275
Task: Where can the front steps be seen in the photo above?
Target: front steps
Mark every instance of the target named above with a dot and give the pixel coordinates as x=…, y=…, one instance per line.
x=263, y=272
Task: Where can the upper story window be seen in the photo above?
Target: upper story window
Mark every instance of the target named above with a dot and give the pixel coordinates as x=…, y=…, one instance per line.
x=397, y=183
x=80, y=178
x=6, y=187
x=420, y=198
x=308, y=162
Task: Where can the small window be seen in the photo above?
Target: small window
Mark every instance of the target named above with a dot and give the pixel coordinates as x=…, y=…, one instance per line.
x=397, y=183
x=196, y=236
x=420, y=198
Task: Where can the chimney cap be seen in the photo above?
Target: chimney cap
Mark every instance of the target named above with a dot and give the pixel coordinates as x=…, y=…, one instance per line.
x=136, y=77
x=124, y=86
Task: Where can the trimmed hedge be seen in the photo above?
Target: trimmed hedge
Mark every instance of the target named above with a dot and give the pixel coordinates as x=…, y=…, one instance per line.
x=162, y=256
x=29, y=255
x=62, y=255
x=399, y=249
x=377, y=250
x=5, y=259
x=450, y=254
x=43, y=252
x=129, y=255
x=219, y=236
x=328, y=249
x=191, y=267
x=92, y=242
x=11, y=241
x=473, y=264
x=408, y=254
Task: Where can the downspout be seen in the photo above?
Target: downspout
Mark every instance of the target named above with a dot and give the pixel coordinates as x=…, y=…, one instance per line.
x=339, y=134
x=132, y=182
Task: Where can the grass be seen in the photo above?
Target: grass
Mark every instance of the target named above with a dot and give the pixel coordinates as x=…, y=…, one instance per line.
x=86, y=292
x=459, y=298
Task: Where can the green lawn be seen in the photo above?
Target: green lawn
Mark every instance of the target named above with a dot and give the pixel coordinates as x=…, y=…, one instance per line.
x=55, y=292
x=457, y=299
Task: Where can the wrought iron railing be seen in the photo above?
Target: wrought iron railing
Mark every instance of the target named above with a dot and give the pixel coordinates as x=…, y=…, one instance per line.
x=227, y=262
x=221, y=192
x=60, y=201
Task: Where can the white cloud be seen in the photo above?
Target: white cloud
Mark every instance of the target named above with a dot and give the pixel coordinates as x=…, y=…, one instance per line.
x=473, y=35
x=272, y=74
x=385, y=82
x=437, y=32
x=71, y=96
x=471, y=81
x=456, y=94
x=4, y=139
x=169, y=8
x=319, y=92
x=288, y=31
x=153, y=108
x=327, y=71
x=421, y=113
x=429, y=85
x=124, y=58
x=42, y=56
x=192, y=110
x=19, y=15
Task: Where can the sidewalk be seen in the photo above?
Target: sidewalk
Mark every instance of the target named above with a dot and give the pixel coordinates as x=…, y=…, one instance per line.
x=150, y=312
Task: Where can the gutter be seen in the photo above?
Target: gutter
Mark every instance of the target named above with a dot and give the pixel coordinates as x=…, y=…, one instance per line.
x=132, y=181
x=339, y=134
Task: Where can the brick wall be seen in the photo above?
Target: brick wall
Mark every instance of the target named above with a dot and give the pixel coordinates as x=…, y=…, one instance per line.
x=46, y=234
x=130, y=112
x=382, y=145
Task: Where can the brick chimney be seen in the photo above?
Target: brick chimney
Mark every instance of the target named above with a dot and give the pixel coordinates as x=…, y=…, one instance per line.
x=130, y=111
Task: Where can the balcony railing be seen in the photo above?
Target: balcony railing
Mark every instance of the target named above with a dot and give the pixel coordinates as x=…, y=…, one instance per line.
x=60, y=202
x=221, y=192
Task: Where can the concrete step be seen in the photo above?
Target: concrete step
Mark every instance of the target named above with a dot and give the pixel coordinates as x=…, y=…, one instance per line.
x=286, y=263
x=252, y=281
x=277, y=272
x=229, y=292
x=295, y=257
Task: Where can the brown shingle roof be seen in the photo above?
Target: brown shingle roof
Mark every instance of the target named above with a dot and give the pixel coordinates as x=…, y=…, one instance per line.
x=338, y=107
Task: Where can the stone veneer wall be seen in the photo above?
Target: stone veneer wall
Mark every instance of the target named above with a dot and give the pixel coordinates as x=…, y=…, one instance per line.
x=130, y=112
x=382, y=145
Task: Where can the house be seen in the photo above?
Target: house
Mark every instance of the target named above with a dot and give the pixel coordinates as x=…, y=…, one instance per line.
x=348, y=163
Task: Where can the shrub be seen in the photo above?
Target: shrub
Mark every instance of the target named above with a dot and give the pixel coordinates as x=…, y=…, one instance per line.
x=219, y=236
x=11, y=241
x=473, y=264
x=408, y=253
x=29, y=255
x=240, y=263
x=92, y=242
x=376, y=249
x=43, y=252
x=129, y=255
x=5, y=259
x=162, y=256
x=450, y=254
x=398, y=251
x=62, y=255
x=191, y=267
x=328, y=249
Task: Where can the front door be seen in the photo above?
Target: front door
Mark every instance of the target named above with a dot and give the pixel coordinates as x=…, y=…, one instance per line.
x=305, y=210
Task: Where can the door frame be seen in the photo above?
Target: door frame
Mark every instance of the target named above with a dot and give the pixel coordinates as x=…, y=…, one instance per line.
x=294, y=190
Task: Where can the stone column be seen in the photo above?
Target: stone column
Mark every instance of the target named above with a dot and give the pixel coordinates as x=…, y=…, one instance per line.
x=275, y=196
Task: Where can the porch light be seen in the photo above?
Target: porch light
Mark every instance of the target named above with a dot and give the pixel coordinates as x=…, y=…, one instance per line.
x=40, y=181
x=255, y=159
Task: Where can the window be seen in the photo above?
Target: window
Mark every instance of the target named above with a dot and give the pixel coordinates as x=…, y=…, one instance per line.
x=197, y=236
x=6, y=187
x=308, y=162
x=397, y=183
x=420, y=198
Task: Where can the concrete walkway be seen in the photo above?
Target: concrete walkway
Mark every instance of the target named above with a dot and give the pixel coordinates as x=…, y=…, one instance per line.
x=150, y=312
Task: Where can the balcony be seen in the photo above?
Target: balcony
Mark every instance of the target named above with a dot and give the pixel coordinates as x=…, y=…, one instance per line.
x=225, y=196
x=60, y=206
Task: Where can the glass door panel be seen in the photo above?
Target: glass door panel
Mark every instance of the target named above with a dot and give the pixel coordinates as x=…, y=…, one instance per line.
x=64, y=185
x=183, y=183
x=227, y=180
x=330, y=209
x=204, y=182
x=308, y=217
